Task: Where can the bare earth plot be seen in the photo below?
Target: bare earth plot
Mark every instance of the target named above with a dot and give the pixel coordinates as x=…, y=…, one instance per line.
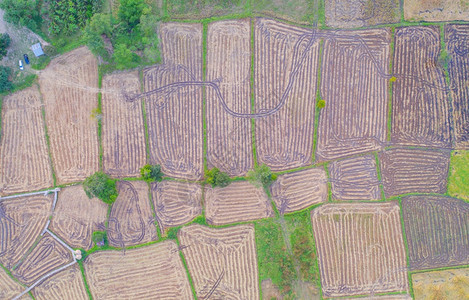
x=356, y=13
x=24, y=159
x=123, y=138
x=238, y=202
x=355, y=178
x=436, y=10
x=383, y=297
x=355, y=117
x=76, y=217
x=131, y=220
x=151, y=272
x=65, y=285
x=21, y=222
x=46, y=256
x=176, y=203
x=456, y=37
x=299, y=190
x=222, y=261
x=69, y=87
x=414, y=171
x=284, y=140
x=437, y=231
x=229, y=138
x=360, y=248
x=447, y=284
x=9, y=288
x=420, y=105
x=174, y=116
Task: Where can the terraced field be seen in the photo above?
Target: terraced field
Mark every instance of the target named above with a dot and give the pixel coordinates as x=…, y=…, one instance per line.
x=285, y=72
x=76, y=217
x=298, y=190
x=66, y=285
x=436, y=228
x=357, y=95
x=69, y=88
x=131, y=220
x=229, y=138
x=23, y=135
x=123, y=137
x=177, y=146
x=458, y=70
x=153, y=272
x=238, y=202
x=360, y=248
x=420, y=104
x=355, y=179
x=221, y=261
x=414, y=171
x=176, y=203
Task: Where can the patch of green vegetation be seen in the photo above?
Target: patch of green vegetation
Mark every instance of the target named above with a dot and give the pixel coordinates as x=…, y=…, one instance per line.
x=301, y=11
x=321, y=103
x=261, y=176
x=41, y=62
x=145, y=125
x=99, y=238
x=151, y=173
x=5, y=41
x=101, y=186
x=82, y=270
x=215, y=177
x=46, y=132
x=459, y=174
x=318, y=97
x=196, y=9
x=5, y=83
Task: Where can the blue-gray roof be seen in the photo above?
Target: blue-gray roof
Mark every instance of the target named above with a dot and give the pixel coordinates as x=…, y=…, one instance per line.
x=37, y=49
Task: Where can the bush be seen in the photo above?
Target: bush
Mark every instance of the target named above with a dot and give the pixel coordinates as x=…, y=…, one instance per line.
x=4, y=43
x=130, y=12
x=261, y=176
x=102, y=186
x=99, y=238
x=5, y=83
x=321, y=103
x=22, y=12
x=217, y=178
x=151, y=173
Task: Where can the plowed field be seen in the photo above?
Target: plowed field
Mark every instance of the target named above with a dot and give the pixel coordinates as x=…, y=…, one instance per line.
x=65, y=285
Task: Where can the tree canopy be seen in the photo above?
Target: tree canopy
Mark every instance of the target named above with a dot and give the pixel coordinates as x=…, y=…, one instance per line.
x=215, y=178
x=102, y=186
x=151, y=173
x=5, y=83
x=261, y=176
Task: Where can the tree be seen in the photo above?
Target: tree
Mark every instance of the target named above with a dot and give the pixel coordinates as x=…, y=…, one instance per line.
x=102, y=186
x=151, y=173
x=130, y=12
x=123, y=56
x=22, y=12
x=4, y=43
x=5, y=83
x=261, y=176
x=215, y=178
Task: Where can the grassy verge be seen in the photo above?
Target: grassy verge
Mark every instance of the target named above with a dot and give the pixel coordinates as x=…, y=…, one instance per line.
x=459, y=174
x=380, y=178
x=82, y=269
x=253, y=96
x=204, y=92
x=404, y=237
x=98, y=114
x=329, y=184
x=390, y=85
x=318, y=97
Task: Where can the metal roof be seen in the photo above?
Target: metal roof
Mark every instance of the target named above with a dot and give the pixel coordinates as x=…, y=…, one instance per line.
x=37, y=49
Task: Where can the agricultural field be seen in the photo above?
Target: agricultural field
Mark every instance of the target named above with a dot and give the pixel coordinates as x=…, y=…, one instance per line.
x=361, y=105
x=458, y=70
x=285, y=67
x=436, y=228
x=176, y=203
x=239, y=202
x=445, y=284
x=458, y=174
x=152, y=272
x=360, y=248
x=406, y=170
x=420, y=104
x=69, y=87
x=222, y=261
x=354, y=179
x=67, y=285
x=229, y=138
x=298, y=190
x=440, y=10
x=75, y=228
x=123, y=137
x=9, y=287
x=177, y=146
x=23, y=135
x=131, y=221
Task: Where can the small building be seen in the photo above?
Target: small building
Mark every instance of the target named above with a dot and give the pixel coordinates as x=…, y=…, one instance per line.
x=37, y=49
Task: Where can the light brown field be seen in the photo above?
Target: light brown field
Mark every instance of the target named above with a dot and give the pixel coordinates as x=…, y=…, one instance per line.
x=176, y=203
x=124, y=149
x=229, y=138
x=65, y=285
x=238, y=202
x=45, y=257
x=447, y=284
x=222, y=261
x=9, y=288
x=357, y=95
x=360, y=248
x=24, y=159
x=76, y=217
x=383, y=297
x=69, y=88
x=436, y=10
x=299, y=190
x=151, y=272
x=355, y=178
x=175, y=120
x=22, y=220
x=131, y=221
x=284, y=140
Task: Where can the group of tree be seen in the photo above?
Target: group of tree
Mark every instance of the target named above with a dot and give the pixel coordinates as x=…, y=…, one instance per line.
x=215, y=177
x=151, y=173
x=261, y=176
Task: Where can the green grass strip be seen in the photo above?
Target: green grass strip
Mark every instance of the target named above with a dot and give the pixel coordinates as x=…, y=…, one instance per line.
x=204, y=92
x=445, y=58
x=329, y=184
x=183, y=259
x=100, y=131
x=153, y=211
x=82, y=269
x=390, y=85
x=380, y=178
x=322, y=14
x=318, y=97
x=144, y=115
x=253, y=97
x=404, y=237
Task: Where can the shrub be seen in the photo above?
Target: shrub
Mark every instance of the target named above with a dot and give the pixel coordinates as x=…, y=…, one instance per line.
x=22, y=12
x=50, y=50
x=321, y=103
x=261, y=176
x=5, y=83
x=130, y=12
x=4, y=43
x=151, y=173
x=102, y=186
x=99, y=238
x=217, y=178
